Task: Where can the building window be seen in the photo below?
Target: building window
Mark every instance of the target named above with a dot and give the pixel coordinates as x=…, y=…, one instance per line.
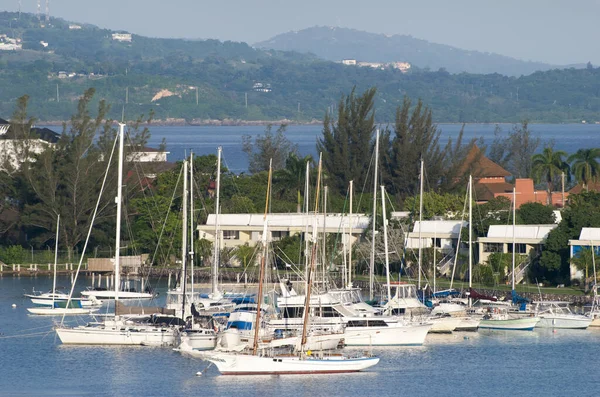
x=231, y=235
x=278, y=235
x=519, y=248
x=492, y=247
x=437, y=242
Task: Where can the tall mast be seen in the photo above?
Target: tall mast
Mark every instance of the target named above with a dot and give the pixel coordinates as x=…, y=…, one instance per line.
x=350, y=239
x=306, y=314
x=372, y=261
x=306, y=210
x=262, y=262
x=119, y=207
x=513, y=237
x=324, y=260
x=55, y=259
x=470, y=235
x=215, y=269
x=385, y=244
x=420, y=220
x=184, y=241
x=192, y=225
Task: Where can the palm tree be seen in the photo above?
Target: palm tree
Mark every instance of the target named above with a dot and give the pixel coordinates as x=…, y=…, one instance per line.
x=585, y=166
x=583, y=261
x=547, y=166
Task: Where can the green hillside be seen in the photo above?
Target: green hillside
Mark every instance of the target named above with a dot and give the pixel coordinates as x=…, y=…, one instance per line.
x=209, y=79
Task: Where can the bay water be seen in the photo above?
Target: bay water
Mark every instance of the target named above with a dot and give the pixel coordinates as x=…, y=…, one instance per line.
x=484, y=363
x=204, y=140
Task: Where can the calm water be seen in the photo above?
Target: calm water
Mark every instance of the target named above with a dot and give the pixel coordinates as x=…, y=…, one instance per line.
x=539, y=363
x=205, y=140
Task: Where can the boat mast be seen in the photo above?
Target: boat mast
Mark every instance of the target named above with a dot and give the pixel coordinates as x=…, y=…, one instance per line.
x=372, y=261
x=192, y=225
x=350, y=238
x=513, y=236
x=420, y=220
x=306, y=314
x=385, y=245
x=324, y=255
x=215, y=269
x=262, y=262
x=306, y=210
x=184, y=236
x=119, y=200
x=470, y=236
x=55, y=260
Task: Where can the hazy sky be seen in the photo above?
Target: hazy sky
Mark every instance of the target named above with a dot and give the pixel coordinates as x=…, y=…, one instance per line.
x=553, y=31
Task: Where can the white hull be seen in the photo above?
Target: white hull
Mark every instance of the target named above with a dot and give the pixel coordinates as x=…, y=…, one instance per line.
x=119, y=335
x=111, y=294
x=395, y=334
x=468, y=324
x=444, y=324
x=239, y=364
x=59, y=311
x=510, y=324
x=197, y=340
x=564, y=321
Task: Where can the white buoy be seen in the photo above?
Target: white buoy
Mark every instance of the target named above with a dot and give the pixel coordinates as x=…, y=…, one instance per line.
x=14, y=305
x=199, y=373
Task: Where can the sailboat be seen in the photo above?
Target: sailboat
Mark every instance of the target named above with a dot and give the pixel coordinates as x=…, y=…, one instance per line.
x=498, y=316
x=265, y=362
x=215, y=302
x=60, y=306
x=120, y=330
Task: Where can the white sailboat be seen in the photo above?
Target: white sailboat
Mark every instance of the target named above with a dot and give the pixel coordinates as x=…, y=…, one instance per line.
x=498, y=316
x=59, y=306
x=119, y=330
x=303, y=361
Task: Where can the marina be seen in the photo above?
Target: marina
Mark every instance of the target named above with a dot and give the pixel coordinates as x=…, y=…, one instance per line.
x=538, y=362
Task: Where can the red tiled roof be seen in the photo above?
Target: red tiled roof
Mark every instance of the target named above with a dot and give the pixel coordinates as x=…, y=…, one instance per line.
x=487, y=191
x=592, y=187
x=480, y=166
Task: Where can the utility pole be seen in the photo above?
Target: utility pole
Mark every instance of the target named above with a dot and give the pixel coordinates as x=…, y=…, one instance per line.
x=126, y=95
x=196, y=95
x=57, y=94
x=246, y=96
x=47, y=11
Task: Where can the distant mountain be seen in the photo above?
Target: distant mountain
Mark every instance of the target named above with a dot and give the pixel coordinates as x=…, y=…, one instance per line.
x=336, y=44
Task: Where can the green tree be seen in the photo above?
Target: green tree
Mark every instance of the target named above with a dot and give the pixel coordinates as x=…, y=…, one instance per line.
x=585, y=166
x=535, y=214
x=416, y=138
x=548, y=166
x=514, y=151
x=275, y=147
x=435, y=204
x=494, y=212
x=293, y=176
x=245, y=254
x=584, y=260
x=346, y=143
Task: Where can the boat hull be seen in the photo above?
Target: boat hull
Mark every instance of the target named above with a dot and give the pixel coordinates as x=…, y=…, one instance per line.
x=444, y=325
x=101, y=335
x=239, y=364
x=564, y=322
x=514, y=324
x=108, y=294
x=395, y=334
x=59, y=311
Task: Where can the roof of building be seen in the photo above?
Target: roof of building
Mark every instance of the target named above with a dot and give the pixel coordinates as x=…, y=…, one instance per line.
x=593, y=186
x=590, y=233
x=487, y=191
x=335, y=221
x=536, y=232
x=480, y=166
x=44, y=134
x=439, y=227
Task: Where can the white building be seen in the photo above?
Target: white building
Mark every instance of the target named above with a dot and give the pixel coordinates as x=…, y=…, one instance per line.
x=74, y=27
x=122, y=37
x=15, y=151
x=588, y=237
x=239, y=229
x=349, y=61
x=148, y=155
x=500, y=239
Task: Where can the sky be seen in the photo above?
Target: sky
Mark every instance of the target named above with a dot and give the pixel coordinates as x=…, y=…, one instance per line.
x=558, y=32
